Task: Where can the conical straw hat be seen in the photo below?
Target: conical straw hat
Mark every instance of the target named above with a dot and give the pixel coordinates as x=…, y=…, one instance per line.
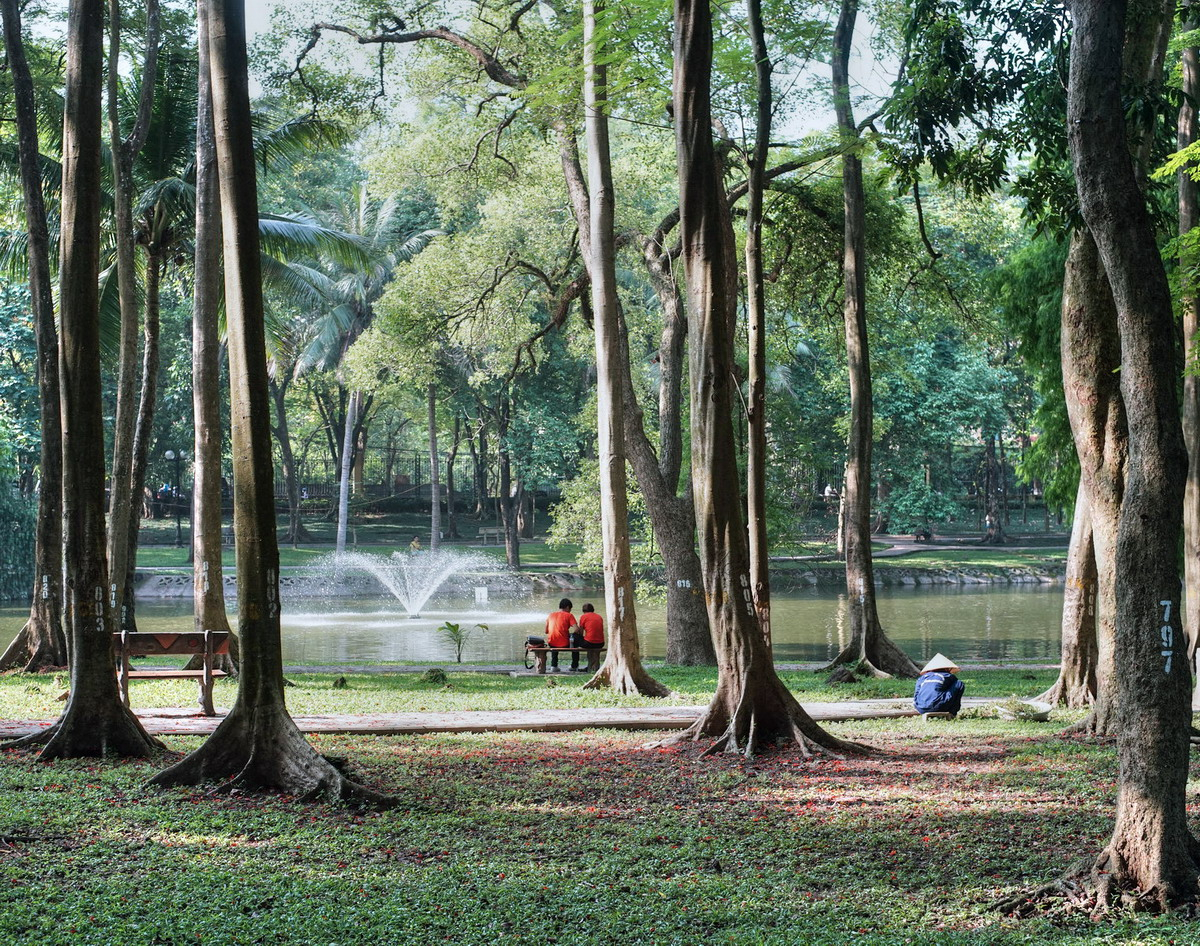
x=940, y=662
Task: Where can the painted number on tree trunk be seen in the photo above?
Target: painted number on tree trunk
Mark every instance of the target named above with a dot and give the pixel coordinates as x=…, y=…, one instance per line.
x=1167, y=634
x=747, y=594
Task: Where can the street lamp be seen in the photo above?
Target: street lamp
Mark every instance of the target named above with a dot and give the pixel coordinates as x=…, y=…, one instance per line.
x=175, y=458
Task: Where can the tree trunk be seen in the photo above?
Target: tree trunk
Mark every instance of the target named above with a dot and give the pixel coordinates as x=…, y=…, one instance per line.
x=689, y=640
x=451, y=457
x=870, y=650
x=1091, y=358
x=94, y=722
x=125, y=493
x=41, y=643
x=257, y=745
x=144, y=432
x=1152, y=853
x=296, y=532
x=435, y=479
x=1189, y=216
x=208, y=589
x=1076, y=684
x=622, y=670
x=756, y=314
x=993, y=471
x=344, y=466
x=508, y=511
x=751, y=707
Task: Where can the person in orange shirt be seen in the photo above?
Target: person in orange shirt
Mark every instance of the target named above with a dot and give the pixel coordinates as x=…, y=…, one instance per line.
x=558, y=626
x=589, y=635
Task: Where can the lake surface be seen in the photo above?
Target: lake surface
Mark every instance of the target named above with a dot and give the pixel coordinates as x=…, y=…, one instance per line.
x=968, y=622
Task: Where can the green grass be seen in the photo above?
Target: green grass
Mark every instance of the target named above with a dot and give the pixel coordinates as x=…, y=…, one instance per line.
x=980, y=558
x=26, y=696
x=582, y=838
x=533, y=554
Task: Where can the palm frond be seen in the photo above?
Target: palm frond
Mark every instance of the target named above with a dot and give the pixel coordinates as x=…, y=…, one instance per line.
x=300, y=235
x=324, y=351
x=280, y=144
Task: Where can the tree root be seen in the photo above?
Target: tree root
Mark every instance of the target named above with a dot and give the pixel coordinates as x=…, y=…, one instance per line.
x=626, y=680
x=266, y=752
x=31, y=652
x=1096, y=887
x=119, y=733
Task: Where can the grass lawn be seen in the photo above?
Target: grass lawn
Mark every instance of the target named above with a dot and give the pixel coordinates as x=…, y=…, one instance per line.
x=979, y=558
x=36, y=696
x=581, y=838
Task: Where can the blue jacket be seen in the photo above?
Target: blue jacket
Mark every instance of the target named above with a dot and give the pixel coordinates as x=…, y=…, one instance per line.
x=938, y=692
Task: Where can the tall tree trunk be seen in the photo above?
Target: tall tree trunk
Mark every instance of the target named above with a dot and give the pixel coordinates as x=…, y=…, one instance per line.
x=756, y=317
x=144, y=431
x=125, y=492
x=506, y=500
x=296, y=532
x=95, y=722
x=41, y=643
x=257, y=745
x=208, y=589
x=622, y=670
x=451, y=457
x=1091, y=359
x=673, y=517
x=1189, y=216
x=1076, y=683
x=870, y=650
x=346, y=462
x=479, y=464
x=993, y=491
x=435, y=479
x=751, y=706
x=1152, y=852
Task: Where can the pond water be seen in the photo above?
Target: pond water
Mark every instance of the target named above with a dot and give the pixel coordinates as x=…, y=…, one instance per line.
x=969, y=623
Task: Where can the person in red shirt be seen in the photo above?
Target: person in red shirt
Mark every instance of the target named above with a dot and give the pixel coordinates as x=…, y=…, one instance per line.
x=589, y=635
x=558, y=626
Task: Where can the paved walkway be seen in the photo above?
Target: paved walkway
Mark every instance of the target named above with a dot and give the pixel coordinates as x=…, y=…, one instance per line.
x=186, y=722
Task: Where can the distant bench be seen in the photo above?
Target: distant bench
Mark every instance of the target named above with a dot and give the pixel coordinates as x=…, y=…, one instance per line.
x=207, y=644
x=491, y=532
x=539, y=656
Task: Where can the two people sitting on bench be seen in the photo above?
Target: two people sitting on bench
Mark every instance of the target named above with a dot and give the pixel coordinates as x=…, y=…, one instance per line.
x=588, y=632
x=938, y=689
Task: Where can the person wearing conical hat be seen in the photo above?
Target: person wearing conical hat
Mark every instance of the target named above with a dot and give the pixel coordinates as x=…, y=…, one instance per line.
x=938, y=689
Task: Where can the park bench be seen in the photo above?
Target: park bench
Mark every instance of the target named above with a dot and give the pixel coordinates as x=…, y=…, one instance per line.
x=539, y=653
x=491, y=532
x=207, y=644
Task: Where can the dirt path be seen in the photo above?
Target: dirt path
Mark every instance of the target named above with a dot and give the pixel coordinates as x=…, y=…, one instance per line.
x=186, y=722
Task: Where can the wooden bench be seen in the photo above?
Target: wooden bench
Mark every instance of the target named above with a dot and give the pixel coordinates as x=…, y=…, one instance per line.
x=491, y=532
x=207, y=644
x=539, y=655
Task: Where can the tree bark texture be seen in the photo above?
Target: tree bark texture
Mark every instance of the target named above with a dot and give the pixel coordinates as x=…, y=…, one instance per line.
x=41, y=643
x=296, y=531
x=1152, y=854
x=257, y=746
x=435, y=479
x=622, y=670
x=95, y=722
x=1091, y=358
x=144, y=430
x=125, y=491
x=1189, y=302
x=346, y=462
x=870, y=649
x=1076, y=683
x=751, y=707
x=208, y=591
x=756, y=316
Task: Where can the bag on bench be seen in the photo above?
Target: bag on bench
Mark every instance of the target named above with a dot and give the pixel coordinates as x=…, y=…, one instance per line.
x=532, y=641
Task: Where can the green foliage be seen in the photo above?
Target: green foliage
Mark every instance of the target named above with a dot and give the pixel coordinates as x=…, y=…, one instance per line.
x=457, y=636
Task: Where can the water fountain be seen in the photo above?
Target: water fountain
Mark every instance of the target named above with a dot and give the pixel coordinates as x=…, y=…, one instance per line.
x=413, y=578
